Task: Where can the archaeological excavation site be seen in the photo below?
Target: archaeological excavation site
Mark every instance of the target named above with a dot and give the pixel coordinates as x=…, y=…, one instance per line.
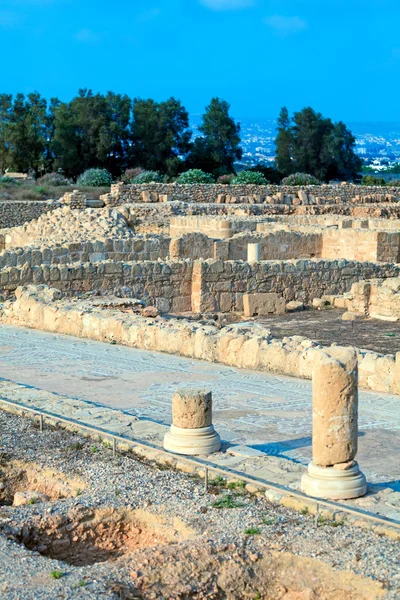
x=200, y=393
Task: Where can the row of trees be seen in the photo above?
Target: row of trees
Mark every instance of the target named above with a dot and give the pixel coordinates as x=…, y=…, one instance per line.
x=311, y=143
x=113, y=132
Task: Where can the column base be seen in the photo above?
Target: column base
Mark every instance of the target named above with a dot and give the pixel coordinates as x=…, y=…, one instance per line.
x=333, y=484
x=204, y=440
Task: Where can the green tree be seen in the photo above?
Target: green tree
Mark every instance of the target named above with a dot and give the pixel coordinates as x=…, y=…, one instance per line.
x=284, y=143
x=27, y=133
x=318, y=146
x=160, y=134
x=92, y=131
x=219, y=147
x=5, y=117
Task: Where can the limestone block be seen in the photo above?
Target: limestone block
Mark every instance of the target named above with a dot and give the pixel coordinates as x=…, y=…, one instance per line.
x=263, y=304
x=335, y=409
x=294, y=306
x=303, y=196
x=192, y=409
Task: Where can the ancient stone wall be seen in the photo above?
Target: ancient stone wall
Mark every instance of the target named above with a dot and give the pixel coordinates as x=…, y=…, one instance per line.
x=249, y=194
x=249, y=348
x=220, y=285
x=192, y=245
x=14, y=213
x=167, y=285
x=361, y=244
x=274, y=245
x=141, y=247
x=374, y=298
x=201, y=286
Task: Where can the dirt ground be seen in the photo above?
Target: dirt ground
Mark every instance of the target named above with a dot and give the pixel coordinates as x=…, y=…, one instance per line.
x=326, y=327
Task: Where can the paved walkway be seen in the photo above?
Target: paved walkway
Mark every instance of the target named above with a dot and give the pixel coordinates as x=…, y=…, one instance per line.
x=267, y=412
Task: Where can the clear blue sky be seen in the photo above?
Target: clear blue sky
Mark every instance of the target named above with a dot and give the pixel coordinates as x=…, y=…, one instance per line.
x=340, y=56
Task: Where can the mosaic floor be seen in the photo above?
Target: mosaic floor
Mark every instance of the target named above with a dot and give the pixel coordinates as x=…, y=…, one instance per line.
x=270, y=413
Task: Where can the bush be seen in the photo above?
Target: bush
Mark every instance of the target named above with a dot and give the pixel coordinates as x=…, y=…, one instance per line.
x=371, y=180
x=54, y=179
x=95, y=178
x=130, y=174
x=300, y=179
x=9, y=180
x=41, y=189
x=226, y=179
x=250, y=178
x=147, y=177
x=393, y=183
x=195, y=176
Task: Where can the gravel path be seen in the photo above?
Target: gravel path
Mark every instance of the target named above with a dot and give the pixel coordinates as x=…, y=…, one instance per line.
x=198, y=529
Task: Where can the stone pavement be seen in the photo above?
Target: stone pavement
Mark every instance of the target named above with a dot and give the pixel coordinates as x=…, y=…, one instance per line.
x=266, y=412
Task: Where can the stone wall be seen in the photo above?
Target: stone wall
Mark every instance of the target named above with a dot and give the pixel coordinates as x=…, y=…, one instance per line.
x=374, y=298
x=274, y=245
x=361, y=244
x=246, y=347
x=14, y=213
x=201, y=286
x=249, y=194
x=139, y=248
x=192, y=245
x=167, y=285
x=220, y=285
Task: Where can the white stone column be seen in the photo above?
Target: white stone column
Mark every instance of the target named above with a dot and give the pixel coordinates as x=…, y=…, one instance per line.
x=253, y=253
x=333, y=472
x=192, y=431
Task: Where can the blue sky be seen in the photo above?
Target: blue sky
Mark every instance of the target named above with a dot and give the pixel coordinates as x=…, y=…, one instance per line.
x=341, y=57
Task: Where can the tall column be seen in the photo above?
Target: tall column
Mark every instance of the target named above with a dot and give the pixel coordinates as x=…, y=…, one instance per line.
x=253, y=253
x=192, y=431
x=333, y=472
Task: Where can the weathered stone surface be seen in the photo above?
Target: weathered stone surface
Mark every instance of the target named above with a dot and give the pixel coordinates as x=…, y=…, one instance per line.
x=192, y=409
x=294, y=306
x=263, y=304
x=335, y=409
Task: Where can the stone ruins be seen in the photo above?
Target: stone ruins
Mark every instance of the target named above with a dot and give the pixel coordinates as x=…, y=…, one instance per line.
x=203, y=271
x=257, y=283
x=192, y=431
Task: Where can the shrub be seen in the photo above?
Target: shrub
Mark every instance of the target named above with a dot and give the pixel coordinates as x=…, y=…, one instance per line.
x=130, y=174
x=226, y=179
x=147, y=177
x=195, y=176
x=300, y=179
x=41, y=189
x=95, y=178
x=394, y=183
x=9, y=180
x=250, y=178
x=54, y=179
x=371, y=180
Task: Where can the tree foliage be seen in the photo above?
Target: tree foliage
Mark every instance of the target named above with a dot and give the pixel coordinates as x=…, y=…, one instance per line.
x=311, y=143
x=92, y=131
x=219, y=146
x=160, y=134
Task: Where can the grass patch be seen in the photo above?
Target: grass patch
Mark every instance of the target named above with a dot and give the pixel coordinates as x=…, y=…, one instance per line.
x=236, y=485
x=252, y=531
x=324, y=522
x=56, y=574
x=227, y=501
